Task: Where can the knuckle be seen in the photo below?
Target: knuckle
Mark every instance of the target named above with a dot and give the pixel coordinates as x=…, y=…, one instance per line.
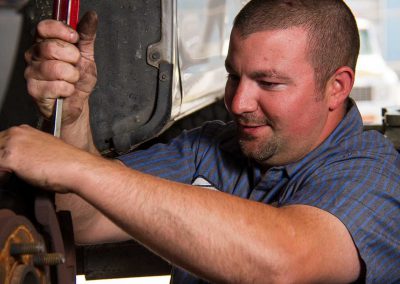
x=28, y=72
x=48, y=49
x=13, y=141
x=14, y=132
x=32, y=87
x=25, y=126
x=67, y=52
x=35, y=51
x=75, y=55
x=66, y=89
x=58, y=89
x=28, y=56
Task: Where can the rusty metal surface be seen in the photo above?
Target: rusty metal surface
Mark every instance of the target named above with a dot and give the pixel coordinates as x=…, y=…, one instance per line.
x=32, y=240
x=17, y=229
x=46, y=216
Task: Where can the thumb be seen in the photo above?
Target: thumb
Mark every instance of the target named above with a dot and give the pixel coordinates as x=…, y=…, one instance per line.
x=87, y=28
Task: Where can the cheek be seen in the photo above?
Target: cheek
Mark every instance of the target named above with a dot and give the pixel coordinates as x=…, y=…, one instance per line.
x=307, y=120
x=289, y=113
x=276, y=108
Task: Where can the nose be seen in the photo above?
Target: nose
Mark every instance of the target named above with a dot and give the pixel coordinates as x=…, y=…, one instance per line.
x=240, y=98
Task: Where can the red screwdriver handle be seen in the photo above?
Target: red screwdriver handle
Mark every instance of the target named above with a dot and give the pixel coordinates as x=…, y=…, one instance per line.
x=66, y=11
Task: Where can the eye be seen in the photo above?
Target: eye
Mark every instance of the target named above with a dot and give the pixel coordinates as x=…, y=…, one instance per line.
x=270, y=85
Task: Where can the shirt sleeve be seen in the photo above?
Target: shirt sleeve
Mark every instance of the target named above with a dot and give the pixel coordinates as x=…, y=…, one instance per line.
x=178, y=160
x=364, y=194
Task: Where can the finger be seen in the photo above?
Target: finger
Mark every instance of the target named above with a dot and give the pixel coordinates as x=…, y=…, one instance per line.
x=87, y=28
x=53, y=49
x=50, y=89
x=45, y=93
x=55, y=30
x=52, y=70
x=28, y=55
x=44, y=90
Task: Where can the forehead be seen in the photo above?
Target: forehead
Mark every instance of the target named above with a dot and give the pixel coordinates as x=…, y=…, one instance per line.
x=279, y=48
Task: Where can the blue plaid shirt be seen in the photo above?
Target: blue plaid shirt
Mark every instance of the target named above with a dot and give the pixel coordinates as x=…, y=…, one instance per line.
x=354, y=175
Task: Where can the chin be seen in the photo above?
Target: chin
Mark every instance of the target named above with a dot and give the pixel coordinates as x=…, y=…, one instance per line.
x=260, y=152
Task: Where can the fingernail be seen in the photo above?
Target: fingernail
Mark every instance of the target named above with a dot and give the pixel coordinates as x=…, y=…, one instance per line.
x=72, y=34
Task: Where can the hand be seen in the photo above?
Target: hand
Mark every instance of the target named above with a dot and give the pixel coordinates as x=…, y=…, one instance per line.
x=61, y=64
x=40, y=158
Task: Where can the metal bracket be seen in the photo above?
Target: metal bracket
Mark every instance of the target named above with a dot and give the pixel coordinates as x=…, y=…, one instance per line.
x=162, y=51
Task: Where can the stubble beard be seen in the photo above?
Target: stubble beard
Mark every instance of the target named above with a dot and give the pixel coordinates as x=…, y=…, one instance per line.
x=259, y=149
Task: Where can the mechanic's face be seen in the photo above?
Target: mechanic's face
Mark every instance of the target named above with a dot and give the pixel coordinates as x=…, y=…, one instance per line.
x=272, y=94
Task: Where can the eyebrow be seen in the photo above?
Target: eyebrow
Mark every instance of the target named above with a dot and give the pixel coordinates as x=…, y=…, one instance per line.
x=270, y=73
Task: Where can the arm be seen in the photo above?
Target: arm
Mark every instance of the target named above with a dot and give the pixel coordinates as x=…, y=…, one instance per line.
x=245, y=241
x=61, y=64
x=193, y=228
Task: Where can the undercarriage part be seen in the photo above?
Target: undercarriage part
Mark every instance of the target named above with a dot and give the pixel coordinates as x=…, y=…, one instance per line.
x=26, y=248
x=34, y=248
x=130, y=93
x=124, y=139
x=64, y=258
x=20, y=243
x=119, y=260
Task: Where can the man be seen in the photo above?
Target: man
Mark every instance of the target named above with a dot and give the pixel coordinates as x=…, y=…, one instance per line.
x=303, y=195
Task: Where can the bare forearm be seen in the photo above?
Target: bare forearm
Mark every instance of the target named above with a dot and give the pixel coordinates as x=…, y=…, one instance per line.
x=190, y=227
x=79, y=132
x=217, y=236
x=86, y=219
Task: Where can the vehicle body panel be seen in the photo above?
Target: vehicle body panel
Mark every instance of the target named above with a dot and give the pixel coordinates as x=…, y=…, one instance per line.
x=376, y=85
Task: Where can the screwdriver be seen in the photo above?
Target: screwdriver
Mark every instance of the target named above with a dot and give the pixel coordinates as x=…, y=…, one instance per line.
x=66, y=11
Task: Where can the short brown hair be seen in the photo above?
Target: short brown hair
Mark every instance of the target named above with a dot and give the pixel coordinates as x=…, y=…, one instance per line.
x=333, y=39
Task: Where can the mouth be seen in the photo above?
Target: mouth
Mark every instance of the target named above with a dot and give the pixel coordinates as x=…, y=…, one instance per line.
x=251, y=127
x=252, y=130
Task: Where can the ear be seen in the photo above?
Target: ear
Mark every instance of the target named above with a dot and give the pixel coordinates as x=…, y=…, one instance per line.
x=339, y=87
